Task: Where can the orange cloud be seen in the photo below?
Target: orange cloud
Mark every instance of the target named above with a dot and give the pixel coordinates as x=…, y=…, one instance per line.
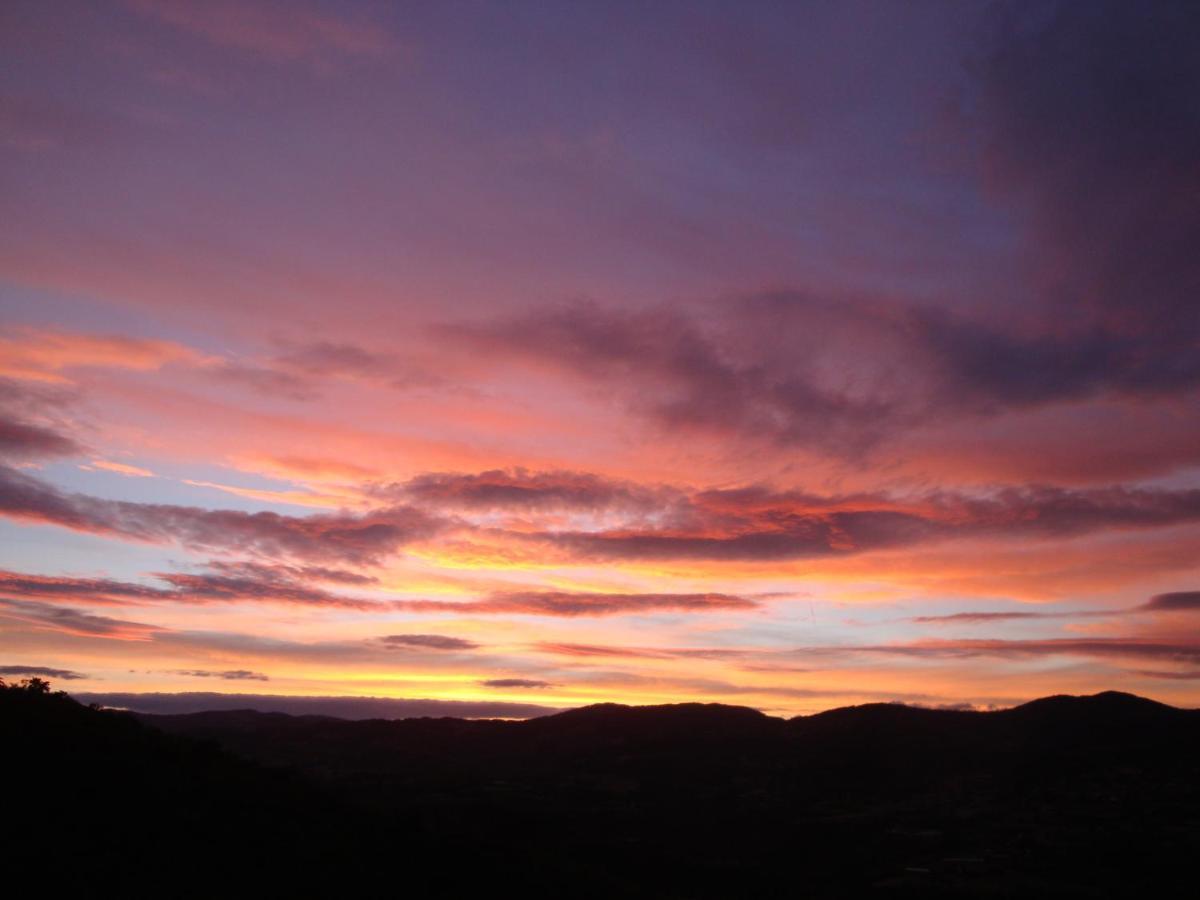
x=121, y=468
x=43, y=355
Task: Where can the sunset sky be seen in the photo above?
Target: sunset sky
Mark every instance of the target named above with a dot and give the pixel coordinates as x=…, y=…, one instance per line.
x=786, y=355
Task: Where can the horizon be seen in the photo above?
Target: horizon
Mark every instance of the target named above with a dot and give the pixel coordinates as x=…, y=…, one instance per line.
x=538, y=355
x=357, y=707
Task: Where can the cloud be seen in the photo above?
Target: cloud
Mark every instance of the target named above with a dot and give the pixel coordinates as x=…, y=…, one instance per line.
x=228, y=674
x=122, y=469
x=1086, y=125
x=31, y=425
x=983, y=618
x=777, y=669
x=1090, y=130
x=265, y=380
x=596, y=650
x=21, y=441
x=990, y=370
x=91, y=590
x=234, y=582
x=1179, y=675
x=427, y=642
x=340, y=707
x=976, y=618
x=310, y=468
x=567, y=603
x=1177, y=601
x=282, y=572
x=73, y=621
x=225, y=645
x=206, y=586
x=302, y=497
x=743, y=524
x=515, y=683
x=758, y=525
x=525, y=491
x=327, y=358
x=1102, y=648
x=229, y=582
x=300, y=370
x=673, y=370
x=345, y=538
x=43, y=354
x=555, y=648
x=43, y=672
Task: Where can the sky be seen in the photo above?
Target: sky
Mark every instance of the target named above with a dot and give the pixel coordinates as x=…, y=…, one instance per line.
x=529, y=355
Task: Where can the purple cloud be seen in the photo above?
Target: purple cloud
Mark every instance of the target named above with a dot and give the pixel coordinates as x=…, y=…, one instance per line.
x=42, y=672
x=1177, y=601
x=360, y=540
x=72, y=621
x=515, y=683
x=1101, y=648
x=522, y=490
x=22, y=440
x=567, y=603
x=227, y=675
x=231, y=582
x=427, y=642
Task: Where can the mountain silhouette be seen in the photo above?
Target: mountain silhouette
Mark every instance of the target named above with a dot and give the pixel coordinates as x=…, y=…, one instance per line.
x=1071, y=796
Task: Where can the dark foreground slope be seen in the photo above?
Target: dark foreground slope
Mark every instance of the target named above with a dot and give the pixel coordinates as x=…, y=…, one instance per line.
x=1092, y=796
x=96, y=804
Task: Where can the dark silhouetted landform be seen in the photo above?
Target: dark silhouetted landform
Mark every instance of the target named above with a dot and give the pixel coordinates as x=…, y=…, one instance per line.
x=1066, y=796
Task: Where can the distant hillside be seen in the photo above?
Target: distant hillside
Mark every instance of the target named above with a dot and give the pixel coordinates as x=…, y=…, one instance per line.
x=1070, y=796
